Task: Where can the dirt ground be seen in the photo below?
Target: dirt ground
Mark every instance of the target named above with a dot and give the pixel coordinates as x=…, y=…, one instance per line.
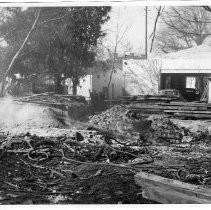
x=33, y=178
x=111, y=187
x=48, y=158
x=18, y=118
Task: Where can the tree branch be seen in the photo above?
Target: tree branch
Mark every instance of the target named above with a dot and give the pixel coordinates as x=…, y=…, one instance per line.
x=208, y=8
x=155, y=25
x=53, y=19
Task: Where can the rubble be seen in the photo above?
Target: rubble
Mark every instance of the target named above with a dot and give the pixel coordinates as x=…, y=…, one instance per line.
x=169, y=142
x=54, y=168
x=116, y=120
x=120, y=119
x=65, y=164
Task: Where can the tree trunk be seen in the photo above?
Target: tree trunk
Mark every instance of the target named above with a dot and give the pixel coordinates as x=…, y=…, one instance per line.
x=75, y=84
x=2, y=87
x=58, y=85
x=17, y=54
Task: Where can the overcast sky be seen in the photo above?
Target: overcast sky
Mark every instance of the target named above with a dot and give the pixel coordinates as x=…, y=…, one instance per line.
x=133, y=18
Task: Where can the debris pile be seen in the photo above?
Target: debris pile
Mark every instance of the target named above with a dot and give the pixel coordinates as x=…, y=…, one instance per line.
x=115, y=120
x=67, y=170
x=165, y=131
x=151, y=130
x=96, y=163
x=111, y=118
x=52, y=98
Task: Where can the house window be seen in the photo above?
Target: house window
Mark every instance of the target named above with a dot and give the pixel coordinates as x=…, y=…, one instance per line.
x=191, y=82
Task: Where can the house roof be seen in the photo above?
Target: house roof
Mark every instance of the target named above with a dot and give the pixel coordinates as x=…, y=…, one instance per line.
x=197, y=52
x=191, y=66
x=194, y=60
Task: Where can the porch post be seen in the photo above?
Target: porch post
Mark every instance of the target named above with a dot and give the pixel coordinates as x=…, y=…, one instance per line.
x=209, y=90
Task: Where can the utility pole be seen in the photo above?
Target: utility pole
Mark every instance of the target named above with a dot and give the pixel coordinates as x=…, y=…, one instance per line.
x=146, y=36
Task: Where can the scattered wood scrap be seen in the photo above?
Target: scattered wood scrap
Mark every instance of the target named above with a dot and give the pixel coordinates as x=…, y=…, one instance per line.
x=170, y=191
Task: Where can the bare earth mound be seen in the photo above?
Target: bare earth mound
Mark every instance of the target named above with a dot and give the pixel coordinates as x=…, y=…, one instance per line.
x=18, y=118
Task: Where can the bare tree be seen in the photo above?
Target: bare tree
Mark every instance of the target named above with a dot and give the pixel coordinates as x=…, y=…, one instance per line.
x=183, y=27
x=159, y=12
x=111, y=49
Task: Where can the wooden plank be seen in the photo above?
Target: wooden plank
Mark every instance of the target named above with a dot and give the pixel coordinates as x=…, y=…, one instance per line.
x=188, y=112
x=144, y=106
x=196, y=116
x=177, y=103
x=169, y=197
x=146, y=110
x=35, y=95
x=166, y=190
x=145, y=102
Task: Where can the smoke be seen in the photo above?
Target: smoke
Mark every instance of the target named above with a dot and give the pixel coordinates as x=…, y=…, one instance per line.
x=20, y=118
x=22, y=114
x=11, y=112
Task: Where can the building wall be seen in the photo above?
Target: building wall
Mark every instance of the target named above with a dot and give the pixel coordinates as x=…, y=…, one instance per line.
x=142, y=76
x=100, y=82
x=84, y=87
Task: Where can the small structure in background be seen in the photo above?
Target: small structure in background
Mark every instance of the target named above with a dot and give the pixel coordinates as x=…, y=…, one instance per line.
x=187, y=71
x=98, y=78
x=101, y=75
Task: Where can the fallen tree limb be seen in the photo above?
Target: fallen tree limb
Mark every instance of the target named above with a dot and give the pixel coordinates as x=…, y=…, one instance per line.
x=108, y=134
x=43, y=167
x=127, y=153
x=90, y=163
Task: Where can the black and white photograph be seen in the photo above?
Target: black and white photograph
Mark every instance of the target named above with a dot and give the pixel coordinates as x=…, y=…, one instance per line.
x=105, y=103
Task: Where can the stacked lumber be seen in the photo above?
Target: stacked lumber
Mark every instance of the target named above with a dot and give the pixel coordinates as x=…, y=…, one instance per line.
x=169, y=191
x=176, y=109
x=52, y=99
x=149, y=98
x=146, y=99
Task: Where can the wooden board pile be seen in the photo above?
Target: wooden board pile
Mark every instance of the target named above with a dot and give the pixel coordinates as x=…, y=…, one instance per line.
x=146, y=99
x=52, y=99
x=186, y=110
x=149, y=98
x=145, y=105
x=76, y=106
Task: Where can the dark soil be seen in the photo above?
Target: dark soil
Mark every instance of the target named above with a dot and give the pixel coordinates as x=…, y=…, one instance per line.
x=41, y=180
